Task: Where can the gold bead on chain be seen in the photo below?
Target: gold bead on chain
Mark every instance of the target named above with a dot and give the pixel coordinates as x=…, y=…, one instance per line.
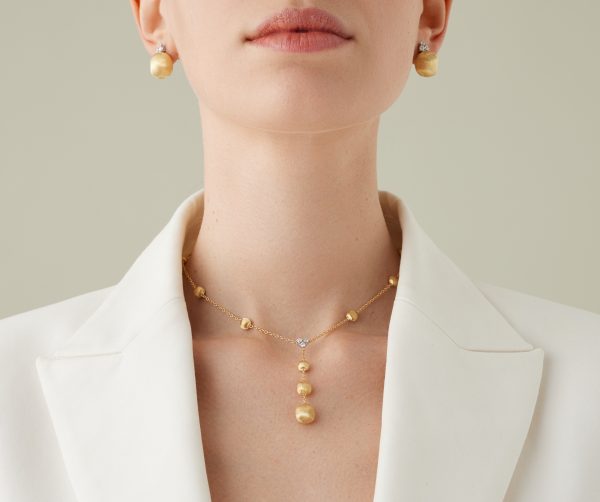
x=305, y=412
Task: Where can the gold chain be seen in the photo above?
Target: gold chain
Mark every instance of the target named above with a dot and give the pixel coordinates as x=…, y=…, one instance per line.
x=305, y=413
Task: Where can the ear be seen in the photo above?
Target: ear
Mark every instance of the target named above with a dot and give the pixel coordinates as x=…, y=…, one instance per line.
x=151, y=26
x=433, y=22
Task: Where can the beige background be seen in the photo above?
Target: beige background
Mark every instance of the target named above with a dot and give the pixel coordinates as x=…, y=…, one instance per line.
x=497, y=155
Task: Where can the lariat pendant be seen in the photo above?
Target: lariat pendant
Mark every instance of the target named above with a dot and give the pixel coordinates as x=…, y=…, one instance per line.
x=305, y=413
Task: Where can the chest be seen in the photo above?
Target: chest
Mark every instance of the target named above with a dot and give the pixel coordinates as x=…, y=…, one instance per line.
x=254, y=448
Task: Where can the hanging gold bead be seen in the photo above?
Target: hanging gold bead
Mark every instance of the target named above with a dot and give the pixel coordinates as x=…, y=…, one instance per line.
x=303, y=366
x=352, y=315
x=199, y=291
x=393, y=280
x=426, y=63
x=246, y=323
x=161, y=65
x=304, y=388
x=305, y=413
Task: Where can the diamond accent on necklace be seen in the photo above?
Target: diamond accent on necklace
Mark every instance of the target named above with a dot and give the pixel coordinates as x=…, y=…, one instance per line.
x=302, y=342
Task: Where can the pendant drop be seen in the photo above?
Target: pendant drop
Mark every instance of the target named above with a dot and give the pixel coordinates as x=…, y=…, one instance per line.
x=305, y=412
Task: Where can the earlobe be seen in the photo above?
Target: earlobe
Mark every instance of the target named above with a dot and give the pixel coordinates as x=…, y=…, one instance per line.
x=151, y=25
x=434, y=22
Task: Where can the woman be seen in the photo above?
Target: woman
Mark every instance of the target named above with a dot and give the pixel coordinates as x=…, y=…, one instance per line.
x=293, y=333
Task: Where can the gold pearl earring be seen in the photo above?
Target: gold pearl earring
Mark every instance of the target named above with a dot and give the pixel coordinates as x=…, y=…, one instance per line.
x=161, y=64
x=426, y=62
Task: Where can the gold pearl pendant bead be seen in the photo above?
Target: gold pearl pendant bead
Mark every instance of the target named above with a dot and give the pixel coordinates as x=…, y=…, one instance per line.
x=426, y=63
x=303, y=366
x=305, y=413
x=393, y=280
x=161, y=65
x=199, y=291
x=246, y=323
x=352, y=315
x=304, y=388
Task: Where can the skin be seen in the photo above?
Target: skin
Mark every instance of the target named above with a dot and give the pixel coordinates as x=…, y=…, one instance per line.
x=292, y=236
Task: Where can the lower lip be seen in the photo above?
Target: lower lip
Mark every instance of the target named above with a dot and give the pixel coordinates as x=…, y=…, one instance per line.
x=295, y=41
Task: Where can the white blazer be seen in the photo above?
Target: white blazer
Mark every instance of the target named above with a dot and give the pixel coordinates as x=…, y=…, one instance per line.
x=490, y=394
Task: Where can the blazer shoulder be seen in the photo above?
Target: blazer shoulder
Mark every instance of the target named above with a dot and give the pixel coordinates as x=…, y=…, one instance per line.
x=37, y=330
x=551, y=325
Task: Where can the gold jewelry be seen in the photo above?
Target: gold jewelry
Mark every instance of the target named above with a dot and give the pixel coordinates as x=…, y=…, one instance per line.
x=161, y=64
x=426, y=62
x=305, y=412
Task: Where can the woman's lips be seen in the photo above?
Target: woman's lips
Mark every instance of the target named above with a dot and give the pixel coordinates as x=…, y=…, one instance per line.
x=300, y=30
x=290, y=41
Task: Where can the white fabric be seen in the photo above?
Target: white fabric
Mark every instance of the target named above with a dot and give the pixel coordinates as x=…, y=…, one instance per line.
x=490, y=394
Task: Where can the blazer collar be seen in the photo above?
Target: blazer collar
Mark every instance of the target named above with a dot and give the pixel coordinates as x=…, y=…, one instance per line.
x=459, y=393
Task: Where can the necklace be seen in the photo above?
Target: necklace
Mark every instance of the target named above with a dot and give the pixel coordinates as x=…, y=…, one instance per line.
x=305, y=412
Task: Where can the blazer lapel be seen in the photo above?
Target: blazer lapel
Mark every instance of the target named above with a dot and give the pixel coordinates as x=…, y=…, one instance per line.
x=461, y=384
x=459, y=393
x=121, y=392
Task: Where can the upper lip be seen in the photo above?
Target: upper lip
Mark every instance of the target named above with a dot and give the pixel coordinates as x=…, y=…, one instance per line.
x=291, y=19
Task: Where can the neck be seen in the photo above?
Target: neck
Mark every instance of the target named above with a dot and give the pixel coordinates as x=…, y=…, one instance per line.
x=293, y=234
